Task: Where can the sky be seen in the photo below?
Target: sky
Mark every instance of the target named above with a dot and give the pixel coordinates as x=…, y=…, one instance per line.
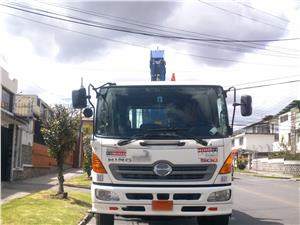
x=246, y=44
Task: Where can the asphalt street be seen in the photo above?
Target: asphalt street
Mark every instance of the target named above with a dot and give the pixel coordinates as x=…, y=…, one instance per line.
x=257, y=201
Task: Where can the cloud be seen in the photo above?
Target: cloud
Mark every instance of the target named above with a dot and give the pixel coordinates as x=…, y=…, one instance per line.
x=73, y=47
x=227, y=21
x=214, y=20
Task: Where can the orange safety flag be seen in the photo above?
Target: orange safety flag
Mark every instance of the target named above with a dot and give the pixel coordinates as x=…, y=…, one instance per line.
x=173, y=77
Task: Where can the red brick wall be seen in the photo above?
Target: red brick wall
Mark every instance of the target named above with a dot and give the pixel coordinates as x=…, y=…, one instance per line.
x=69, y=158
x=41, y=158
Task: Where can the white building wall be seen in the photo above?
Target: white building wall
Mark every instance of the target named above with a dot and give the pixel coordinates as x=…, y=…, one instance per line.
x=255, y=142
x=259, y=142
x=284, y=129
x=6, y=82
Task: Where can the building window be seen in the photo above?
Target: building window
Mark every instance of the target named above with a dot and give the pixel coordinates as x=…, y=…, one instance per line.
x=38, y=137
x=7, y=100
x=38, y=102
x=18, y=149
x=298, y=136
x=284, y=118
x=232, y=142
x=241, y=140
x=43, y=115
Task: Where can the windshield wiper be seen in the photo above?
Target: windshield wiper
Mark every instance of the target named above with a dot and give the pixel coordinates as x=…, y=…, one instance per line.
x=179, y=134
x=147, y=135
x=169, y=132
x=134, y=138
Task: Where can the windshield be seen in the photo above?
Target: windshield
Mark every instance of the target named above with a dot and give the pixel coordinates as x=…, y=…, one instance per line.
x=170, y=111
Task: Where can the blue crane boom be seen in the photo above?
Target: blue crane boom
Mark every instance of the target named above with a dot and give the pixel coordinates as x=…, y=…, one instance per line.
x=157, y=65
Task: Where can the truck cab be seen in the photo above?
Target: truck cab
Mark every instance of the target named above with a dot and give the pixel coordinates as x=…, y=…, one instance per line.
x=161, y=150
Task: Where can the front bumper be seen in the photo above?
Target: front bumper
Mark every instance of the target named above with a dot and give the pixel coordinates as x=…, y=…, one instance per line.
x=142, y=206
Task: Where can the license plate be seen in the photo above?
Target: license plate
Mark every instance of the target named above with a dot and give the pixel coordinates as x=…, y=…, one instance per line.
x=162, y=205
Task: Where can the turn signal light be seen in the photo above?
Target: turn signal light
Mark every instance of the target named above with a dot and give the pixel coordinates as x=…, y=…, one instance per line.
x=97, y=164
x=227, y=166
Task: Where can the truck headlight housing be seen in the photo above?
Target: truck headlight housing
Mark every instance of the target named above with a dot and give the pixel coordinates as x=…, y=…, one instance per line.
x=104, y=195
x=219, y=196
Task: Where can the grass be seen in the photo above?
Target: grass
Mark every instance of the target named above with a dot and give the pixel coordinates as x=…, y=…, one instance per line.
x=271, y=177
x=39, y=208
x=242, y=171
x=79, y=181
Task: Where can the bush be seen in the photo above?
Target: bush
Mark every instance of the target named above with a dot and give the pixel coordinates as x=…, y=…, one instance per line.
x=87, y=161
x=242, y=163
x=241, y=166
x=286, y=155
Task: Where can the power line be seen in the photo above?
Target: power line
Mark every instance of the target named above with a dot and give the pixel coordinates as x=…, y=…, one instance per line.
x=144, y=33
x=267, y=85
x=137, y=45
x=142, y=24
x=78, y=32
x=262, y=11
x=278, y=78
x=232, y=60
x=241, y=15
x=281, y=54
x=141, y=46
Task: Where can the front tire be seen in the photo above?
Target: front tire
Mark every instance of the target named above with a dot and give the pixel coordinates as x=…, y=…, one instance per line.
x=104, y=219
x=213, y=220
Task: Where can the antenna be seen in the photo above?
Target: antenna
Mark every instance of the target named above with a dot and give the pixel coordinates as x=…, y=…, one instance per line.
x=81, y=86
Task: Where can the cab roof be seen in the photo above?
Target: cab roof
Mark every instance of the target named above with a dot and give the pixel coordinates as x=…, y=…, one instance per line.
x=162, y=83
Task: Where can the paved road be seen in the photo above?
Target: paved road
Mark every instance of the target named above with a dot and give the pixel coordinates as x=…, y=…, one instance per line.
x=257, y=201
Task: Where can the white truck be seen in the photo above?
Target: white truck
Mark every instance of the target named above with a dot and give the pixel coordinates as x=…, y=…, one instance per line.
x=161, y=149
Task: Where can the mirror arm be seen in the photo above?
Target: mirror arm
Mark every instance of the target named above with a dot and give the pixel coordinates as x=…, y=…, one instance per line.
x=235, y=104
x=89, y=99
x=89, y=96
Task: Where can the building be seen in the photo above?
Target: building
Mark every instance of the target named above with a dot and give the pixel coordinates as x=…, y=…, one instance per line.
x=12, y=128
x=289, y=128
x=36, y=112
x=255, y=140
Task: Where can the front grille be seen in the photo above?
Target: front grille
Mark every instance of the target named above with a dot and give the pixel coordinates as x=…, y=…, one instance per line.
x=134, y=208
x=164, y=196
x=186, y=196
x=193, y=208
x=138, y=172
x=139, y=196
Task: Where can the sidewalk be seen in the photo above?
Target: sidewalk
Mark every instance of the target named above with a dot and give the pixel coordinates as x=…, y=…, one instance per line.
x=17, y=189
x=272, y=174
x=268, y=174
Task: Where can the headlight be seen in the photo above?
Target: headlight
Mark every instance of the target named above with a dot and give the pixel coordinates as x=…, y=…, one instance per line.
x=219, y=196
x=106, y=195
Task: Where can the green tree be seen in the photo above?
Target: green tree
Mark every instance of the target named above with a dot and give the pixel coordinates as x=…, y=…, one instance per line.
x=87, y=148
x=60, y=135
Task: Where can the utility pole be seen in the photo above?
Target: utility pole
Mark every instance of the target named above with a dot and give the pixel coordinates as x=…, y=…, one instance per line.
x=78, y=149
x=80, y=132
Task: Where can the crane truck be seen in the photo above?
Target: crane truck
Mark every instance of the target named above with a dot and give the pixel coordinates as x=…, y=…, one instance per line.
x=161, y=149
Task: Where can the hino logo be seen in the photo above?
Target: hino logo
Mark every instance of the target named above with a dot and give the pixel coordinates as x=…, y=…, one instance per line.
x=162, y=169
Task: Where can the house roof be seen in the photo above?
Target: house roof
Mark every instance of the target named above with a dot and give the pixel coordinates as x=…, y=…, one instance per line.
x=12, y=118
x=293, y=104
x=266, y=120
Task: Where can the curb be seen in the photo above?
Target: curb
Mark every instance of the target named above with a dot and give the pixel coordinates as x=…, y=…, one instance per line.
x=86, y=219
x=269, y=176
x=77, y=186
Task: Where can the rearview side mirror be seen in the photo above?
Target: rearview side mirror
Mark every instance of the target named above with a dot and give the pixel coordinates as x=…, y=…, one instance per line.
x=246, y=105
x=79, y=98
x=88, y=112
